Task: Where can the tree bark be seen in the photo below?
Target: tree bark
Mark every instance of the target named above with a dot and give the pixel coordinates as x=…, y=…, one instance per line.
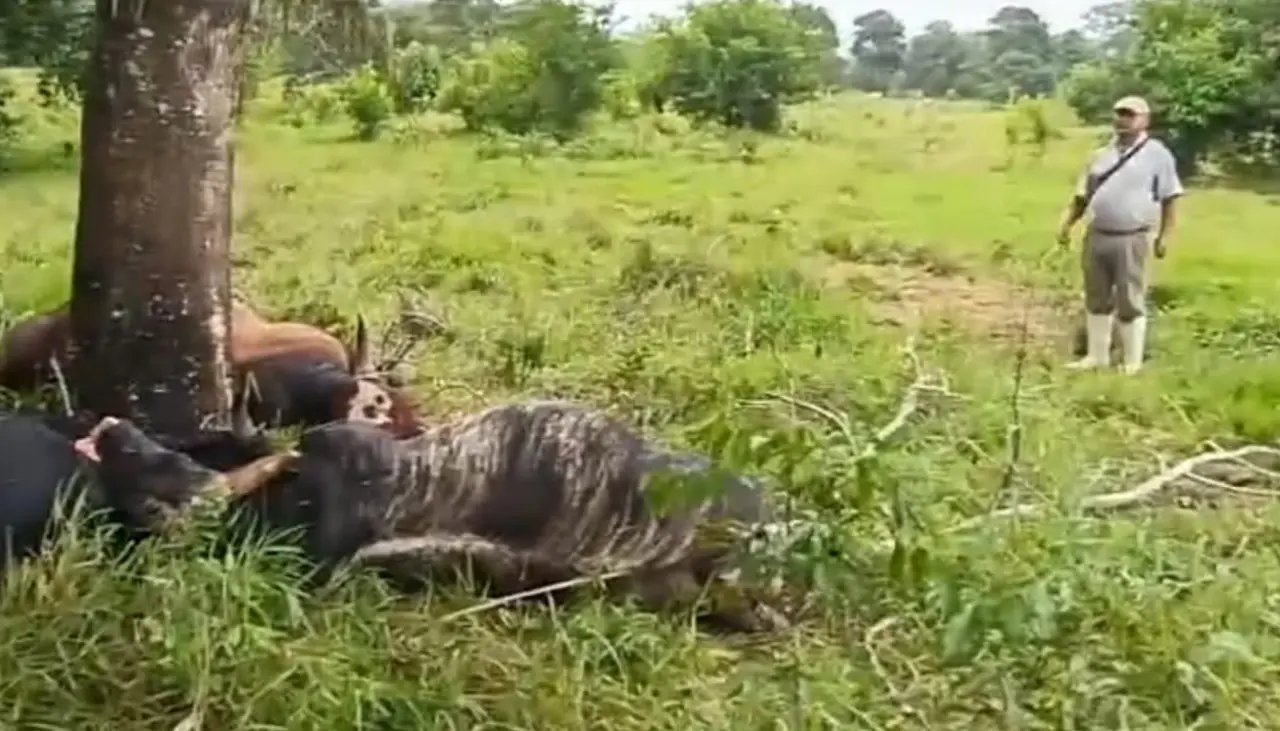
x=151, y=280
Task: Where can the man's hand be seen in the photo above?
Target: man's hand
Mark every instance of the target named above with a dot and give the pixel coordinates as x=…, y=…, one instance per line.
x=1159, y=247
x=1064, y=237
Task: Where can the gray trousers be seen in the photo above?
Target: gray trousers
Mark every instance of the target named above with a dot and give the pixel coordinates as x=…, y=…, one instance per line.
x=1115, y=273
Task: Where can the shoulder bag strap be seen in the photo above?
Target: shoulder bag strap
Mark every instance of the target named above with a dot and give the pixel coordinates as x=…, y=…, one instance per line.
x=1096, y=183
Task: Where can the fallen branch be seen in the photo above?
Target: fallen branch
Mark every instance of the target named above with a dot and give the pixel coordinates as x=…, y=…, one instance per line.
x=1163, y=482
x=869, y=646
x=508, y=599
x=843, y=424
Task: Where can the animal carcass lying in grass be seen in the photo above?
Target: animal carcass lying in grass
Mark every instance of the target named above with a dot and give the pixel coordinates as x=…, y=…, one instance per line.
x=40, y=467
x=520, y=496
x=302, y=374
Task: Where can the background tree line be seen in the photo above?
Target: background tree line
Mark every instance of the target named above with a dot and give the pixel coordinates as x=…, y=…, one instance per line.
x=546, y=66
x=1210, y=67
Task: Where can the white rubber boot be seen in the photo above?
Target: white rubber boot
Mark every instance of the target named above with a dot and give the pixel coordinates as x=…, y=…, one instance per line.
x=1098, y=330
x=1133, y=341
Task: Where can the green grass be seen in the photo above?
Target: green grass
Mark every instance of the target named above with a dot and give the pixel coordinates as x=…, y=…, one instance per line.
x=673, y=278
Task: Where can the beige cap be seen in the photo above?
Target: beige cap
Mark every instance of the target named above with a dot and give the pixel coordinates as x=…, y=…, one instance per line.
x=1135, y=104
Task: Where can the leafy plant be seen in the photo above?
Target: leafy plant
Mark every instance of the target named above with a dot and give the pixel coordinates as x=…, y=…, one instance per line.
x=367, y=102
x=735, y=62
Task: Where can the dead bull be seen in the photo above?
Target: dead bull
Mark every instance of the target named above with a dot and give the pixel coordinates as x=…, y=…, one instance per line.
x=303, y=375
x=520, y=495
x=40, y=469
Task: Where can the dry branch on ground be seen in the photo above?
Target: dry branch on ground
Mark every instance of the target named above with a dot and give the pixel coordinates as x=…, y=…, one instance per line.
x=925, y=382
x=1250, y=471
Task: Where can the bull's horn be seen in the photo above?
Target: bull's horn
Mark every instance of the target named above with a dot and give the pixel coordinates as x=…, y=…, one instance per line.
x=255, y=475
x=241, y=421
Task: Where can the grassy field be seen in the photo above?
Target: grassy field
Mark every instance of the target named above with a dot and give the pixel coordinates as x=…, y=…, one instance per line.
x=692, y=282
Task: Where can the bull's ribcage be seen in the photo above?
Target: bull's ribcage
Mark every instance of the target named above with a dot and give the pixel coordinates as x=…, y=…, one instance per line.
x=599, y=519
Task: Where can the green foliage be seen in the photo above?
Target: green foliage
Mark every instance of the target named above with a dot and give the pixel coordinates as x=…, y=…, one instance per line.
x=1211, y=69
x=262, y=63
x=942, y=61
x=735, y=62
x=1033, y=123
x=10, y=116
x=546, y=72
x=879, y=51
x=414, y=78
x=451, y=25
x=1091, y=88
x=52, y=35
x=621, y=94
x=824, y=38
x=491, y=88
x=308, y=104
x=1014, y=56
x=367, y=102
x=328, y=38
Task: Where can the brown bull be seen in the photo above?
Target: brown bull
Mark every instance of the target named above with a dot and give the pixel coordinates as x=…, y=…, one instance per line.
x=304, y=375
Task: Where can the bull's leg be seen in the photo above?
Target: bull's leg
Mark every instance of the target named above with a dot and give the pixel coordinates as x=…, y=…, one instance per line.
x=413, y=562
x=258, y=474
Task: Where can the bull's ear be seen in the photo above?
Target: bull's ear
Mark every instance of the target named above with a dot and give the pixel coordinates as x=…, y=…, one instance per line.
x=360, y=359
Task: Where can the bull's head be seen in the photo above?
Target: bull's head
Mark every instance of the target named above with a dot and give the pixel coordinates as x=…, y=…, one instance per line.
x=380, y=396
x=162, y=490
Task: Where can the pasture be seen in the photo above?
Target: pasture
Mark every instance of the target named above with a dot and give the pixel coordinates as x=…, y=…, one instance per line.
x=702, y=285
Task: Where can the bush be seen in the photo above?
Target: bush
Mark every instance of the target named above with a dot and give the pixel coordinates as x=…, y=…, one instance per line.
x=310, y=103
x=1091, y=88
x=365, y=97
x=489, y=89
x=546, y=74
x=1035, y=122
x=414, y=78
x=621, y=98
x=736, y=62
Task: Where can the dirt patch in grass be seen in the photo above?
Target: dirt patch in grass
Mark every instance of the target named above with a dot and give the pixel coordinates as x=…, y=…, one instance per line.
x=910, y=296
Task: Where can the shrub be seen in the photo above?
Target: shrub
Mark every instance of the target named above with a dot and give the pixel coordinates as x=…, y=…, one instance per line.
x=736, y=62
x=545, y=74
x=489, y=88
x=414, y=78
x=365, y=97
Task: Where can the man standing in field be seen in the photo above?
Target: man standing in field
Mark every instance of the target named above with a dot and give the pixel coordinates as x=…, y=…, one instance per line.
x=1129, y=187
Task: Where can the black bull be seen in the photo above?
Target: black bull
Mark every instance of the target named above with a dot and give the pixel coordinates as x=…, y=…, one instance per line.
x=40, y=468
x=520, y=496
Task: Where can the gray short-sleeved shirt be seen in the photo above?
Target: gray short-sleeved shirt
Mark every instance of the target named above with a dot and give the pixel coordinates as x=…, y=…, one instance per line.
x=1130, y=199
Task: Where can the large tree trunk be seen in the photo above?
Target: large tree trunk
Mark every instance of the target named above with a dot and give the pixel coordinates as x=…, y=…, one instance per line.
x=151, y=283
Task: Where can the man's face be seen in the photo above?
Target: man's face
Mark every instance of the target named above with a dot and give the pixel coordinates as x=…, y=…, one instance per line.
x=1126, y=121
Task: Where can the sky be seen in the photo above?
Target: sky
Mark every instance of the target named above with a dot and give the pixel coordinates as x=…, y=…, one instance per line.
x=964, y=14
